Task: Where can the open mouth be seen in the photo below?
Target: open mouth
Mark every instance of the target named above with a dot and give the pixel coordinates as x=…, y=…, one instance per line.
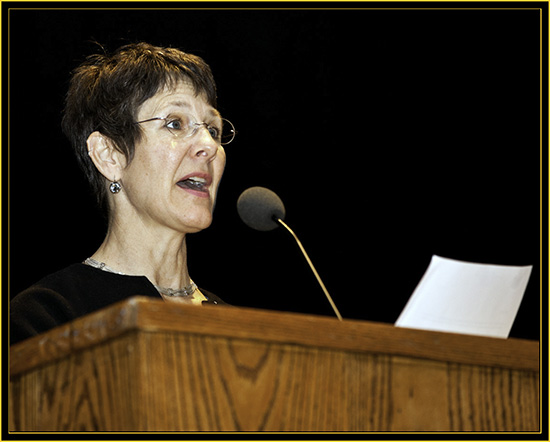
x=195, y=183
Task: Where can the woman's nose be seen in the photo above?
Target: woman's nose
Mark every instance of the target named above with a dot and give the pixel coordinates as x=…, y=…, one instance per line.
x=204, y=145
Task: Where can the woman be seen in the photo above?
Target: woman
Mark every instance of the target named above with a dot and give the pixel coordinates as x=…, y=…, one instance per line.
x=147, y=133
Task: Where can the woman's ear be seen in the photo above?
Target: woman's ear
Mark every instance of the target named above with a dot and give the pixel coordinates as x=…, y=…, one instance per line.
x=108, y=160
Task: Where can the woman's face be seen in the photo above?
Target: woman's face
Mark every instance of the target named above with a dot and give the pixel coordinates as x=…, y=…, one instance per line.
x=172, y=181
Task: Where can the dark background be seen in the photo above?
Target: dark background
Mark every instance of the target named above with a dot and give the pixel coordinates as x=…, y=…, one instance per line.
x=391, y=135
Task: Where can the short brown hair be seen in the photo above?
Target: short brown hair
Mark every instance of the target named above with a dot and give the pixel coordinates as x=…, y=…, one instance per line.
x=106, y=91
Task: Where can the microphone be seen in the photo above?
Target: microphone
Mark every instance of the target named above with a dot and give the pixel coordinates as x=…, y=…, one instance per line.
x=263, y=210
x=258, y=207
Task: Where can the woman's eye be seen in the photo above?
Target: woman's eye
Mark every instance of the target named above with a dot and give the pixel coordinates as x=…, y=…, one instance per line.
x=174, y=124
x=214, y=132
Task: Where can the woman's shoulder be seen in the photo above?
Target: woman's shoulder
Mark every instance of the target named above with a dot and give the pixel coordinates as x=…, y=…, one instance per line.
x=75, y=291
x=67, y=294
x=63, y=277
x=83, y=280
x=40, y=307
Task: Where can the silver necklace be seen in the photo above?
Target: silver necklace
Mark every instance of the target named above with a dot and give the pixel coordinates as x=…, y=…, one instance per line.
x=185, y=291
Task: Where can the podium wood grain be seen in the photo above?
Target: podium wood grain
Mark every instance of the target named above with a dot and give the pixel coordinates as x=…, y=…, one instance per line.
x=146, y=366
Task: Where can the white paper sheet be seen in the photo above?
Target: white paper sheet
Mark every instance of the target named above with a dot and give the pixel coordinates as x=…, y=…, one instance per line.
x=464, y=297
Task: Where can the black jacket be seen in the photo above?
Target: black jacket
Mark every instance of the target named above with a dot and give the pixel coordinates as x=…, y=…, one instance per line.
x=73, y=292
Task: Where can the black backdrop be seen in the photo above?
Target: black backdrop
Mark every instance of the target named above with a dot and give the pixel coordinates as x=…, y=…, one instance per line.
x=390, y=134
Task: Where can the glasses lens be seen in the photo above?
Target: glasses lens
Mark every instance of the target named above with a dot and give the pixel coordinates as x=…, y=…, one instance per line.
x=228, y=132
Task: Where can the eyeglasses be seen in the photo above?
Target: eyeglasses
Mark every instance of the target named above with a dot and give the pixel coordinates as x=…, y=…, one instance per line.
x=184, y=127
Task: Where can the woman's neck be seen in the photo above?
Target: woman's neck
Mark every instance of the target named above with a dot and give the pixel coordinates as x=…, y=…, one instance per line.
x=160, y=256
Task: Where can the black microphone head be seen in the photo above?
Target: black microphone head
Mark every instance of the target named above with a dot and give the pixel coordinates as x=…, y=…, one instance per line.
x=257, y=206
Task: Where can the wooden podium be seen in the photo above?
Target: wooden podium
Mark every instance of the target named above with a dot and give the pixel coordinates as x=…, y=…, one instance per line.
x=144, y=365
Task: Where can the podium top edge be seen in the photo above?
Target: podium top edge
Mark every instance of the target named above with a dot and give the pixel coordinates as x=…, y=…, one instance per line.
x=140, y=314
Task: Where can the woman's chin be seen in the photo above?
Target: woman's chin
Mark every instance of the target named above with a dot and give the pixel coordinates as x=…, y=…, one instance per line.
x=196, y=224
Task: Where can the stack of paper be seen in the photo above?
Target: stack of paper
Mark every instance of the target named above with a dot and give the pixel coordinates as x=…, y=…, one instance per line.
x=464, y=297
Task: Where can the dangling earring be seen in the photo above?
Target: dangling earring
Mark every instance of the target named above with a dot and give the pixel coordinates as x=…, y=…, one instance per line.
x=115, y=187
